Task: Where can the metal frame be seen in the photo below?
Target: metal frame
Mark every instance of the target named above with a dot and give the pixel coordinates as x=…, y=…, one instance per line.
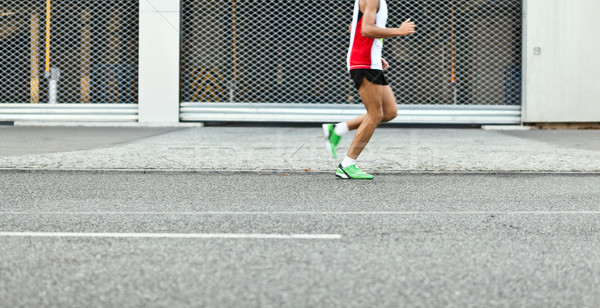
x=524, y=60
x=69, y=112
x=230, y=73
x=88, y=52
x=300, y=113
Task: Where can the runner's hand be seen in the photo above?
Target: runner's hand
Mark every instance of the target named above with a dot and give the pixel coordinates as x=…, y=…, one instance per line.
x=407, y=28
x=385, y=64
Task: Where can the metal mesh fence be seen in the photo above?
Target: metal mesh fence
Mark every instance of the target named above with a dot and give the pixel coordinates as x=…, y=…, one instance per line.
x=93, y=50
x=295, y=52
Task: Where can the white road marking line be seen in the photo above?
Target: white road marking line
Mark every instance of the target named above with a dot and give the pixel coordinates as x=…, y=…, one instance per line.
x=318, y=213
x=176, y=235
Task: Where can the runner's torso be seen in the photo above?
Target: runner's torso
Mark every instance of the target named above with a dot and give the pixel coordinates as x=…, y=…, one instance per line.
x=364, y=52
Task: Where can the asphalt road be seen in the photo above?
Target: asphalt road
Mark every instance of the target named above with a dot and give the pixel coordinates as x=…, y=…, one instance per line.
x=462, y=240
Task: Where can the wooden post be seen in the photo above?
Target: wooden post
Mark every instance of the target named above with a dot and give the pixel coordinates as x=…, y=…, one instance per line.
x=453, y=78
x=234, y=60
x=86, y=36
x=114, y=49
x=34, y=92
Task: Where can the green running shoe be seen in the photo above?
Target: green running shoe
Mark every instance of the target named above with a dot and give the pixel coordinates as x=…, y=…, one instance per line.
x=331, y=139
x=352, y=172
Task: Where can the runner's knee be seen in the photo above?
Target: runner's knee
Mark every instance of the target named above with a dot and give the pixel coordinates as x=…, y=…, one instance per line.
x=389, y=115
x=376, y=116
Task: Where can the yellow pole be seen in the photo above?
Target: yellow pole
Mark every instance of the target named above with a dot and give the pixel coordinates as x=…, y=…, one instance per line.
x=34, y=93
x=86, y=36
x=48, y=11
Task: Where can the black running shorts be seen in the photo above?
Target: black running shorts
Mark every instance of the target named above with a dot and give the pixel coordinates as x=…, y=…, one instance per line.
x=374, y=76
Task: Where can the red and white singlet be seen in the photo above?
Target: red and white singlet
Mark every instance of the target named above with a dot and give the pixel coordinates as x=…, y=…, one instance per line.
x=365, y=53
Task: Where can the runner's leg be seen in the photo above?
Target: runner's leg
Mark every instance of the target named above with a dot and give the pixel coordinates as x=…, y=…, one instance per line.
x=356, y=122
x=390, y=106
x=372, y=97
x=390, y=109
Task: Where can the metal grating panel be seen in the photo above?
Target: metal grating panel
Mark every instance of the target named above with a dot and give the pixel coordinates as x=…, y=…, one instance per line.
x=93, y=45
x=69, y=112
x=241, y=51
x=321, y=113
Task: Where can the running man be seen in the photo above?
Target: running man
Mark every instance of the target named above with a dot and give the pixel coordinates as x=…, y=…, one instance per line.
x=366, y=66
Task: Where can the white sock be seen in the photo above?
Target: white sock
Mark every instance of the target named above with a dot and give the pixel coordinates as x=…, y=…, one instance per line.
x=341, y=129
x=347, y=162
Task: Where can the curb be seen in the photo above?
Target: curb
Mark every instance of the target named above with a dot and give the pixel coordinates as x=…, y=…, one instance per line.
x=107, y=124
x=273, y=171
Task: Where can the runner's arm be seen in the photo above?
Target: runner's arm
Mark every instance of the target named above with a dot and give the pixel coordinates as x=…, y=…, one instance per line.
x=385, y=64
x=370, y=29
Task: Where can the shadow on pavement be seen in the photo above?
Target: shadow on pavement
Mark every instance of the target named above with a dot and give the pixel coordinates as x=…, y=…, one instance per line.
x=16, y=141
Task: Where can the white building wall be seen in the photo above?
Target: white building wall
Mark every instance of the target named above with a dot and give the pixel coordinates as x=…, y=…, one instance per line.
x=562, y=83
x=159, y=52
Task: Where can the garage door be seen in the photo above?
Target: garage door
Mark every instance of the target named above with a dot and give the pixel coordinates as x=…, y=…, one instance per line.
x=286, y=61
x=65, y=60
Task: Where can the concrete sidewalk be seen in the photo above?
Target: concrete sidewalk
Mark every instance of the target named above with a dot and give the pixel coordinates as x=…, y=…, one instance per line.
x=289, y=149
